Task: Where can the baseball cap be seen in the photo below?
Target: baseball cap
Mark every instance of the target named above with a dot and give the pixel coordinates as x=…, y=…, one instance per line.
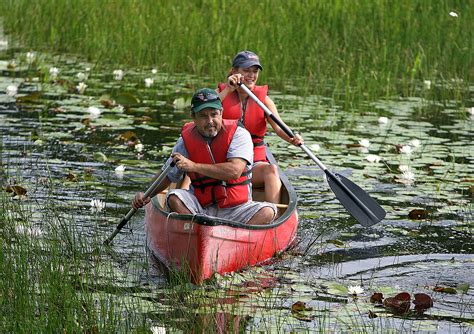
x=205, y=98
x=246, y=59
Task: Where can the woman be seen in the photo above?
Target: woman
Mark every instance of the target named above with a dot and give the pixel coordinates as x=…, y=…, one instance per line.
x=237, y=105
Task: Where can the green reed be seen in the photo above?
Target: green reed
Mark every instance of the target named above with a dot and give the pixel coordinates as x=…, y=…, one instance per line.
x=366, y=49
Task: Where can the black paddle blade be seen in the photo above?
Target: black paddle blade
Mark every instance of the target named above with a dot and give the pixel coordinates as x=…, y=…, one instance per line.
x=356, y=201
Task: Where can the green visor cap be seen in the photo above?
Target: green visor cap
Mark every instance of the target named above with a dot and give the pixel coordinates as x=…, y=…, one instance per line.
x=205, y=98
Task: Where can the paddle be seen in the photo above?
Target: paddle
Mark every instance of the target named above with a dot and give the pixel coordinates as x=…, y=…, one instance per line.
x=132, y=211
x=356, y=201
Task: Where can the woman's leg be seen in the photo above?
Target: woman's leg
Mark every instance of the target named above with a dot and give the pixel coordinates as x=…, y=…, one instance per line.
x=267, y=175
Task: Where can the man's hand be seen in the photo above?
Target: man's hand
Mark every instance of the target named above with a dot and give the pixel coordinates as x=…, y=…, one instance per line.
x=140, y=200
x=183, y=163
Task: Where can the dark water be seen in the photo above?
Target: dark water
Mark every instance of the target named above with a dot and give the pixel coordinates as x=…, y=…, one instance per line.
x=65, y=154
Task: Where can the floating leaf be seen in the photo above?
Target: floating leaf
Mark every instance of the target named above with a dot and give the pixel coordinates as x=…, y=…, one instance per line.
x=422, y=302
x=337, y=243
x=33, y=97
x=16, y=190
x=417, y=214
x=126, y=99
x=400, y=304
x=99, y=156
x=463, y=287
x=299, y=307
x=376, y=298
x=71, y=177
x=445, y=289
x=129, y=136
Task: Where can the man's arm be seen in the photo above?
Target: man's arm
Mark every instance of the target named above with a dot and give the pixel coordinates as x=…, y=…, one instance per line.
x=229, y=170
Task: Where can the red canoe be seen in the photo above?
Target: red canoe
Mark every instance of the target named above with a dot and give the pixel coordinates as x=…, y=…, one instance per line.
x=202, y=245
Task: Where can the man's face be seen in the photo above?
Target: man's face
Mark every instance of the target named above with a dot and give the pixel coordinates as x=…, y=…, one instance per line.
x=208, y=122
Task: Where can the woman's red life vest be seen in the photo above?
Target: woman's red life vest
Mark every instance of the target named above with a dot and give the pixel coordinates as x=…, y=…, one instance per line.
x=253, y=119
x=208, y=191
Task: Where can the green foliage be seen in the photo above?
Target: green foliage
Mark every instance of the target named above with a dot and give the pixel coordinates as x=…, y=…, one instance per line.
x=375, y=47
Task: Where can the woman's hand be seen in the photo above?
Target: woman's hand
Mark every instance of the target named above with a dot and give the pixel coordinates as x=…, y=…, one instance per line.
x=234, y=80
x=297, y=140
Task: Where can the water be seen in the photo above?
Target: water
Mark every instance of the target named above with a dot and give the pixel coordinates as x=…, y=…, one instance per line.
x=65, y=154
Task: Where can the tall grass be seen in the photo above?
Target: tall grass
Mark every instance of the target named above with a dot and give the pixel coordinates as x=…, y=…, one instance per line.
x=374, y=47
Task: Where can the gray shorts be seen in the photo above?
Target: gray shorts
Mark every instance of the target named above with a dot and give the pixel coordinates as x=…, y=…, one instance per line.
x=240, y=213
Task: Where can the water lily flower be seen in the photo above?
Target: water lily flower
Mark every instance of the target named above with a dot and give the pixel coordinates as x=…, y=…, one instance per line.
x=94, y=112
x=406, y=149
x=120, y=108
x=3, y=44
x=12, y=90
x=53, y=72
x=355, y=290
x=408, y=175
x=427, y=84
x=97, y=205
x=471, y=111
x=81, y=76
x=81, y=87
x=403, y=168
x=453, y=14
x=149, y=82
x=158, y=330
x=315, y=147
x=154, y=71
x=415, y=142
x=383, y=120
x=120, y=170
x=373, y=158
x=118, y=75
x=30, y=57
x=364, y=143
x=139, y=147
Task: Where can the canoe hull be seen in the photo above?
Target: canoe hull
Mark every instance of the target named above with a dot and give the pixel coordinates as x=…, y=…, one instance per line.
x=201, y=249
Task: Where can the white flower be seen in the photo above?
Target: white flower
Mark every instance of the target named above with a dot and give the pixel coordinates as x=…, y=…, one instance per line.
x=3, y=44
x=154, y=71
x=53, y=72
x=30, y=57
x=81, y=87
x=355, y=290
x=97, y=205
x=453, y=14
x=364, y=143
x=149, y=82
x=403, y=168
x=158, y=330
x=139, y=147
x=118, y=74
x=471, y=111
x=94, y=112
x=408, y=175
x=383, y=120
x=120, y=170
x=427, y=84
x=372, y=158
x=12, y=90
x=415, y=143
x=315, y=147
x=81, y=76
x=406, y=149
x=120, y=108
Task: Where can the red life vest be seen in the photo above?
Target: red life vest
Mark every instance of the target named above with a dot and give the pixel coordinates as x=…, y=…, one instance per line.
x=208, y=191
x=254, y=118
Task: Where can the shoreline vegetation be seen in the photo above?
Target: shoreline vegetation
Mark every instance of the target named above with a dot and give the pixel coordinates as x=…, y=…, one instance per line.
x=353, y=50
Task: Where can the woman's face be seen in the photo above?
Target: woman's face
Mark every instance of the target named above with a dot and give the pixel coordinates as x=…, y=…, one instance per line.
x=250, y=75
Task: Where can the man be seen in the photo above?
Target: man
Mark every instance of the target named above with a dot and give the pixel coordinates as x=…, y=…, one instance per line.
x=217, y=155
